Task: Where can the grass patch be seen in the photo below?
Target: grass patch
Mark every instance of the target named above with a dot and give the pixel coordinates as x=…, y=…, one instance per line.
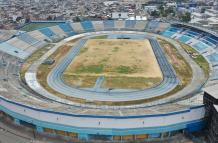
x=83, y=50
x=136, y=82
x=35, y=26
x=124, y=70
x=112, y=82
x=105, y=60
x=115, y=49
x=199, y=59
x=90, y=69
x=79, y=80
x=100, y=37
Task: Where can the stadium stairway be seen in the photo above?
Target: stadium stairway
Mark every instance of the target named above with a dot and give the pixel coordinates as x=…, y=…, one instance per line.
x=67, y=29
x=87, y=26
x=77, y=27
x=98, y=25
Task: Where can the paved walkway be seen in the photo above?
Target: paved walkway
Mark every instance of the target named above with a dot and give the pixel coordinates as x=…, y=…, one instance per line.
x=98, y=83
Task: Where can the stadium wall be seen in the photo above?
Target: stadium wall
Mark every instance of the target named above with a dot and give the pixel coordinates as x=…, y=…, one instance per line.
x=211, y=113
x=189, y=120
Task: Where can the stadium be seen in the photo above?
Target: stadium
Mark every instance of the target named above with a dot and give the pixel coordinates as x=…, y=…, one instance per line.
x=111, y=80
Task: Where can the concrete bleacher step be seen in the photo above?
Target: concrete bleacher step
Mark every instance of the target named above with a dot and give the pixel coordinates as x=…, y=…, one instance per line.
x=98, y=25
x=40, y=44
x=77, y=27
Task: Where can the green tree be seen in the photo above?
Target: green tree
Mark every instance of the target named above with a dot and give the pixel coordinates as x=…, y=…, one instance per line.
x=161, y=9
x=155, y=13
x=186, y=17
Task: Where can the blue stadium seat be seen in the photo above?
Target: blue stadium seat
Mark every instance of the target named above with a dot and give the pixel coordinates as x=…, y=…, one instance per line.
x=213, y=41
x=184, y=38
x=192, y=33
x=27, y=38
x=214, y=75
x=67, y=29
x=167, y=33
x=108, y=24
x=213, y=57
x=47, y=32
x=213, y=37
x=173, y=29
x=207, y=42
x=87, y=26
x=130, y=24
x=200, y=46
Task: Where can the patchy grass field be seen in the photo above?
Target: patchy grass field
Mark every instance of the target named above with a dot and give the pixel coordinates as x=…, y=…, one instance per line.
x=35, y=26
x=199, y=59
x=181, y=66
x=123, y=63
x=100, y=37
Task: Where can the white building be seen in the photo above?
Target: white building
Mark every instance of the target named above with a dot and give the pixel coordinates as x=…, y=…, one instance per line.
x=120, y=15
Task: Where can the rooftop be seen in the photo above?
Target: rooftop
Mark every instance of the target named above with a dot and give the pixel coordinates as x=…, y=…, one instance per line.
x=212, y=90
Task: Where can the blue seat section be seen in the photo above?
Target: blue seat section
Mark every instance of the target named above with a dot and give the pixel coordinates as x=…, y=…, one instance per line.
x=11, y=50
x=27, y=38
x=200, y=46
x=167, y=33
x=130, y=24
x=213, y=57
x=206, y=42
x=192, y=33
x=214, y=75
x=87, y=26
x=213, y=41
x=47, y=32
x=173, y=29
x=213, y=37
x=184, y=38
x=108, y=24
x=67, y=29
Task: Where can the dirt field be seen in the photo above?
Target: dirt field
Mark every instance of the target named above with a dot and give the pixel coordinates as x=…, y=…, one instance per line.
x=121, y=62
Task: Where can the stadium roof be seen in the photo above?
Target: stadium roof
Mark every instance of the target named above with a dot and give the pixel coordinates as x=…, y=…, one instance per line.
x=212, y=90
x=216, y=107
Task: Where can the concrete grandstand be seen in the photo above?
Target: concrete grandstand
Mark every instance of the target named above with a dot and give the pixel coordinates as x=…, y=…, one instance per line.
x=28, y=102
